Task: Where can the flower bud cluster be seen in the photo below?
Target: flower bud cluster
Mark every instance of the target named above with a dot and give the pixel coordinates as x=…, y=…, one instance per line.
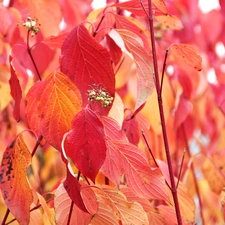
x=100, y=95
x=32, y=25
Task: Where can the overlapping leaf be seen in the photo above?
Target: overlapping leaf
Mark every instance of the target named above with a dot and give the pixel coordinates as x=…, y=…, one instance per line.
x=145, y=79
x=123, y=157
x=187, y=54
x=86, y=143
x=16, y=91
x=13, y=181
x=73, y=188
x=87, y=63
x=62, y=203
x=125, y=212
x=57, y=100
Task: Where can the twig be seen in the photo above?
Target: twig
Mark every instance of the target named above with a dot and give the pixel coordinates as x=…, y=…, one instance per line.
x=6, y=216
x=36, y=207
x=31, y=56
x=162, y=118
x=181, y=166
x=70, y=213
x=163, y=71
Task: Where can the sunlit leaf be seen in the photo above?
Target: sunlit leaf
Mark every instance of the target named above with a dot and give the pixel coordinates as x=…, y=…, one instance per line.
x=145, y=79
x=86, y=143
x=135, y=26
x=16, y=91
x=117, y=110
x=13, y=181
x=187, y=54
x=58, y=102
x=62, y=204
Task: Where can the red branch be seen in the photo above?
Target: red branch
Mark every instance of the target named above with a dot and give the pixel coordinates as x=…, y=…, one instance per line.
x=162, y=118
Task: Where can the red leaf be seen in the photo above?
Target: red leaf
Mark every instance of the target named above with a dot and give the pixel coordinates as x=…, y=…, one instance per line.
x=145, y=83
x=16, y=91
x=125, y=158
x=13, y=181
x=86, y=144
x=114, y=50
x=188, y=54
x=183, y=109
x=87, y=62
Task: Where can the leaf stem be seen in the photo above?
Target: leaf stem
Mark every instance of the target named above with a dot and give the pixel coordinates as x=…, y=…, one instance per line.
x=162, y=118
x=36, y=146
x=6, y=216
x=31, y=56
x=96, y=30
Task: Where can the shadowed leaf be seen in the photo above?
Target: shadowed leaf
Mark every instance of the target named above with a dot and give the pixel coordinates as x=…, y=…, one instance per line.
x=13, y=181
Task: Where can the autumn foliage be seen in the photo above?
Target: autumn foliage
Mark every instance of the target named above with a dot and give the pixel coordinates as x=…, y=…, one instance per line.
x=110, y=115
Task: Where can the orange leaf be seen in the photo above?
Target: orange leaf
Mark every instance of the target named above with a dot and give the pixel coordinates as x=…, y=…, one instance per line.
x=160, y=5
x=187, y=54
x=124, y=211
x=213, y=173
x=13, y=181
x=58, y=101
x=145, y=79
x=170, y=21
x=62, y=203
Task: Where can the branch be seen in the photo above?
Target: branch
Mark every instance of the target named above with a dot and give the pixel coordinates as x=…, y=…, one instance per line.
x=162, y=118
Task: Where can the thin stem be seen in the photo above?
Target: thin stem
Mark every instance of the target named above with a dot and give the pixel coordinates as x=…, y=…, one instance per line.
x=149, y=149
x=192, y=165
x=162, y=118
x=163, y=71
x=30, y=54
x=193, y=173
x=96, y=30
x=36, y=146
x=181, y=166
x=6, y=216
x=70, y=213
